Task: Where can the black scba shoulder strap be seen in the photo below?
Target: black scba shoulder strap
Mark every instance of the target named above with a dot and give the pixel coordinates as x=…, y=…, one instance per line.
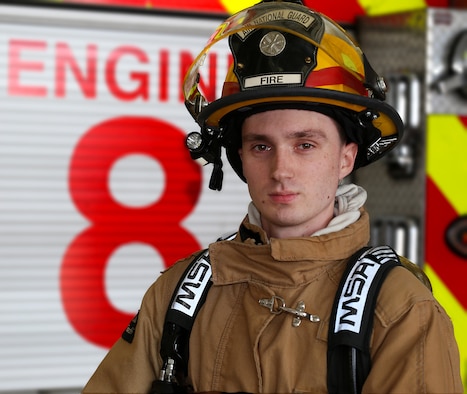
x=189, y=296
x=187, y=299
x=350, y=326
x=351, y=322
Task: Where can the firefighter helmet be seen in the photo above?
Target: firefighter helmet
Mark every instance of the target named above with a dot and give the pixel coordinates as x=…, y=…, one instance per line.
x=285, y=55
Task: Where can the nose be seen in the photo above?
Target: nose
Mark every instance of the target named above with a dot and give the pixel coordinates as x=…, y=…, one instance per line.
x=281, y=165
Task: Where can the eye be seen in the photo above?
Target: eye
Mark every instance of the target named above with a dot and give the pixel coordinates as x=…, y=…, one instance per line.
x=306, y=146
x=261, y=148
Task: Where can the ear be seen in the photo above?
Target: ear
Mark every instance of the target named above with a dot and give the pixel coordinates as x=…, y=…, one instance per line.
x=348, y=156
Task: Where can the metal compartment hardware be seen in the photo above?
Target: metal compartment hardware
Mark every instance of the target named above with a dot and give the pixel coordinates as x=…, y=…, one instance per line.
x=422, y=54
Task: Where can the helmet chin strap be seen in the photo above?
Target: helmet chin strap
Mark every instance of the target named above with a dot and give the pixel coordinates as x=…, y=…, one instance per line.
x=217, y=175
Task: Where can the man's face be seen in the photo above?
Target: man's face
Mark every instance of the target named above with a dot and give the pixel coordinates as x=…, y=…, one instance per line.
x=293, y=161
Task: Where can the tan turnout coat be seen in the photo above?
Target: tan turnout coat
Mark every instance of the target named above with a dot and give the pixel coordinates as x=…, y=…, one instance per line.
x=237, y=345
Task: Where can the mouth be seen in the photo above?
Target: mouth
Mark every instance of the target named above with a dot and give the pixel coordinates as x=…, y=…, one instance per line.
x=283, y=197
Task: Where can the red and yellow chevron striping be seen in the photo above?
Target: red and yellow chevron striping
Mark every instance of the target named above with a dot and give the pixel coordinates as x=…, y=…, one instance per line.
x=446, y=202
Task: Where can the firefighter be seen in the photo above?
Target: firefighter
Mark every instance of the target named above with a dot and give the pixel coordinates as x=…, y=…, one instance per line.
x=300, y=109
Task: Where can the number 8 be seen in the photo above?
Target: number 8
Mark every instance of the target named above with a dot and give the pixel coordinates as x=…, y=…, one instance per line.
x=113, y=225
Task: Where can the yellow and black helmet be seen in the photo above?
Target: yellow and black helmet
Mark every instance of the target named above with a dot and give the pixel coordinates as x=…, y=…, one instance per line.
x=285, y=55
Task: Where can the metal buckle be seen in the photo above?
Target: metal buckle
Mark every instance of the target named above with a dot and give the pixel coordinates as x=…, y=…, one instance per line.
x=277, y=305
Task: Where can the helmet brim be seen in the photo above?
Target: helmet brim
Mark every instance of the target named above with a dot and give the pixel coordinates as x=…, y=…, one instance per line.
x=387, y=125
x=389, y=122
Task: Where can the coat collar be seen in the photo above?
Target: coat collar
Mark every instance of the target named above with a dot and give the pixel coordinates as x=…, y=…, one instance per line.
x=284, y=262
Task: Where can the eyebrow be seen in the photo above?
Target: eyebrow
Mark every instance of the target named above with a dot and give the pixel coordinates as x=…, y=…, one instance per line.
x=252, y=136
x=308, y=133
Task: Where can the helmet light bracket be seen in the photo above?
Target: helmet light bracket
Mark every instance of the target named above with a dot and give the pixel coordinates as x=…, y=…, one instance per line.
x=205, y=148
x=373, y=82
